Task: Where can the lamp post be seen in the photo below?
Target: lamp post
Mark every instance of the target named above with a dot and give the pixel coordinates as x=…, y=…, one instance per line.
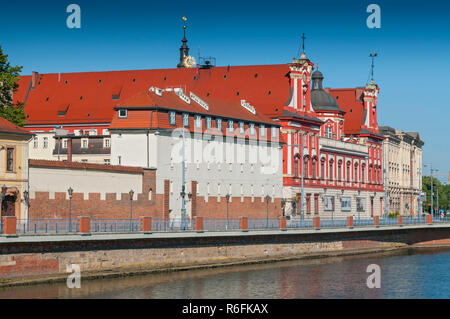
x=437, y=192
x=70, y=192
x=227, y=196
x=131, y=192
x=431, y=180
x=267, y=209
x=25, y=198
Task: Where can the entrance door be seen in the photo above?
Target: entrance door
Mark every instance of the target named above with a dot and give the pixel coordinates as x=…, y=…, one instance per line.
x=9, y=206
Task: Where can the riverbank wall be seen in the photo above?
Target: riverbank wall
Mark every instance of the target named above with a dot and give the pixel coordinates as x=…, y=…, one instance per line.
x=45, y=258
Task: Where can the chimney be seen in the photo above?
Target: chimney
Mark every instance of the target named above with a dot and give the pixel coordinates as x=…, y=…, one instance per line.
x=69, y=149
x=34, y=77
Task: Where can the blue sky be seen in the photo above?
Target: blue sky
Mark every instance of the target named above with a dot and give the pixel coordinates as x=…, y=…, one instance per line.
x=413, y=45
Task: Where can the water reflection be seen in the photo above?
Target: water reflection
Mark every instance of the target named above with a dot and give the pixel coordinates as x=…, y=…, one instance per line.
x=417, y=273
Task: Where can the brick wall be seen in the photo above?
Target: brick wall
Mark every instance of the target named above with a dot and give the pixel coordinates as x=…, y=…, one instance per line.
x=212, y=208
x=41, y=206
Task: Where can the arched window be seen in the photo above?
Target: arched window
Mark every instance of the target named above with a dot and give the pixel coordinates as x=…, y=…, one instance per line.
x=363, y=173
x=369, y=178
x=330, y=170
x=313, y=168
x=348, y=172
x=355, y=177
x=322, y=168
x=340, y=170
x=305, y=167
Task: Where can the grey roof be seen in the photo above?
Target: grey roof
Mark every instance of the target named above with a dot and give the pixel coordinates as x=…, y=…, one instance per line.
x=323, y=101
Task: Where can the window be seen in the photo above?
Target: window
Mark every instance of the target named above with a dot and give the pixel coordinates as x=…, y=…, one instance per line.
x=274, y=131
x=84, y=161
x=208, y=123
x=107, y=161
x=10, y=159
x=230, y=125
x=262, y=130
x=328, y=132
x=356, y=174
x=322, y=169
x=348, y=171
x=241, y=128
x=84, y=143
x=186, y=120
x=35, y=142
x=340, y=171
x=105, y=131
x=64, y=143
x=363, y=173
x=305, y=167
x=198, y=121
x=106, y=142
x=308, y=203
x=172, y=120
x=45, y=142
x=330, y=172
x=314, y=169
x=123, y=113
x=219, y=124
x=252, y=129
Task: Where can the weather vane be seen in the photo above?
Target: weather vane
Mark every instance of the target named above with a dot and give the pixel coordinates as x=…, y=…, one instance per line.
x=303, y=42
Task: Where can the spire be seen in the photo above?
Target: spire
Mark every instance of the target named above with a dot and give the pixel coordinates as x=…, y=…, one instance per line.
x=184, y=49
x=372, y=55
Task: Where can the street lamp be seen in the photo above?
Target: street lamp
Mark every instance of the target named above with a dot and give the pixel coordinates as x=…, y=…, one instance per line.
x=227, y=196
x=267, y=209
x=70, y=192
x=25, y=198
x=131, y=192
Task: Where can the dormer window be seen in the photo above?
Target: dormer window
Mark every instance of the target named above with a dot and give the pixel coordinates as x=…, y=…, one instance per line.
x=328, y=132
x=172, y=120
x=123, y=113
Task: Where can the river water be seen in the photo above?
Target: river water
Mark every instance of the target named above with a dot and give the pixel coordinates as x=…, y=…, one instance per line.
x=412, y=273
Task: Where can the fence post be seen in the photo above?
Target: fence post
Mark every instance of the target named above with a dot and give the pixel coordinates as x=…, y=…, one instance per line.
x=198, y=224
x=282, y=223
x=85, y=225
x=316, y=223
x=400, y=220
x=244, y=223
x=429, y=219
x=10, y=226
x=146, y=224
x=376, y=221
x=350, y=222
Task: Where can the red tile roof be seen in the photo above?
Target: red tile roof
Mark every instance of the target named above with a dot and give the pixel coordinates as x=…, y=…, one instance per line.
x=88, y=97
x=85, y=166
x=8, y=127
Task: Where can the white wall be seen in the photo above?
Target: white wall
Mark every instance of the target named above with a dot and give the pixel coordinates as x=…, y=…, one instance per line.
x=83, y=181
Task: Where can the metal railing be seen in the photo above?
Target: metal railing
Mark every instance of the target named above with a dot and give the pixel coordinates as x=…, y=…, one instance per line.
x=60, y=226
x=115, y=225
x=47, y=226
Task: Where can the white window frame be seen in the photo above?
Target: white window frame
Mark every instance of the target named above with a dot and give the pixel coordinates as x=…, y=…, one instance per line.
x=172, y=118
x=219, y=124
x=241, y=127
x=185, y=120
x=208, y=122
x=123, y=115
x=230, y=125
x=107, y=142
x=45, y=142
x=198, y=121
x=262, y=130
x=82, y=143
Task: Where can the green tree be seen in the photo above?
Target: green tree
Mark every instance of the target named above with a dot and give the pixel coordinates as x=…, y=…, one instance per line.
x=9, y=76
x=444, y=194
